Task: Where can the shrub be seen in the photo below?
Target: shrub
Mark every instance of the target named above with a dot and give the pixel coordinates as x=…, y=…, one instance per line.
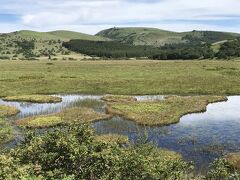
x=11, y=169
x=72, y=152
x=4, y=58
x=221, y=169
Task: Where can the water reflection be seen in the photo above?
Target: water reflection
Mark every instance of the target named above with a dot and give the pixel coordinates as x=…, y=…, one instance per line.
x=198, y=137
x=33, y=109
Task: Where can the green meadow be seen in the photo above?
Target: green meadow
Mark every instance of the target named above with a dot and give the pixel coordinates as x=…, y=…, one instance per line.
x=120, y=77
x=70, y=144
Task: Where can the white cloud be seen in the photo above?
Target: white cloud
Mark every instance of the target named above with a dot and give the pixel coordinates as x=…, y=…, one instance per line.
x=91, y=15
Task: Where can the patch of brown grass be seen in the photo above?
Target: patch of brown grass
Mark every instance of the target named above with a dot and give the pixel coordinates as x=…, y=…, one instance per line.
x=6, y=111
x=67, y=116
x=34, y=98
x=234, y=160
x=82, y=115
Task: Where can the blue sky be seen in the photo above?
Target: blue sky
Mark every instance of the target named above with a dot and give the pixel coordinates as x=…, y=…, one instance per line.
x=91, y=16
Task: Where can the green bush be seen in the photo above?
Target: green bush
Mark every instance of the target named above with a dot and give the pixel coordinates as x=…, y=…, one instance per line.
x=221, y=169
x=73, y=153
x=10, y=168
x=229, y=49
x=4, y=58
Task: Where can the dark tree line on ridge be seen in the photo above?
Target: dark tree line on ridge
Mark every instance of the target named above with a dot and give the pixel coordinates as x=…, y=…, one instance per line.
x=192, y=49
x=113, y=49
x=229, y=49
x=109, y=49
x=208, y=37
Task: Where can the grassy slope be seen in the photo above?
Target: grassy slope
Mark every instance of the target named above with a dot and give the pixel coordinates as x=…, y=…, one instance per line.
x=151, y=36
x=44, y=41
x=216, y=46
x=76, y=35
x=56, y=35
x=142, y=36
x=108, y=77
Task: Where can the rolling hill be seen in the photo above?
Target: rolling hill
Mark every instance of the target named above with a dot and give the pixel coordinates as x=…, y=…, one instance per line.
x=158, y=37
x=141, y=36
x=31, y=44
x=76, y=35
x=45, y=43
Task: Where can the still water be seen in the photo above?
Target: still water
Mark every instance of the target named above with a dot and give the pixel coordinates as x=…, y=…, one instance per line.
x=200, y=137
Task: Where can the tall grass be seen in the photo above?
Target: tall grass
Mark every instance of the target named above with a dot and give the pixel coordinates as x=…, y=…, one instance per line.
x=120, y=77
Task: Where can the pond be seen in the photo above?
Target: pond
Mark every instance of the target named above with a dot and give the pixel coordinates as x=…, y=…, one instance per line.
x=199, y=137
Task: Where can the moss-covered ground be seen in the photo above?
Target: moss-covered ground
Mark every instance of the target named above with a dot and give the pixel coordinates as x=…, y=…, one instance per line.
x=159, y=113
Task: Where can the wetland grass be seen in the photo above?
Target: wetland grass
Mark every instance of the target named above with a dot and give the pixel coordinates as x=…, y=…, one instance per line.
x=159, y=113
x=6, y=131
x=34, y=99
x=82, y=115
x=88, y=103
x=118, y=98
x=120, y=77
x=6, y=111
x=234, y=160
x=66, y=116
x=40, y=121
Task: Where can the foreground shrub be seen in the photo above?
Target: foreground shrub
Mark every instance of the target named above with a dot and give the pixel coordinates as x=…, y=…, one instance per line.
x=72, y=152
x=6, y=131
x=221, y=169
x=147, y=162
x=10, y=168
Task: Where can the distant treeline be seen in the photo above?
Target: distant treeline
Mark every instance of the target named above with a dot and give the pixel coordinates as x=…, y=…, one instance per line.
x=229, y=49
x=208, y=37
x=113, y=49
x=184, y=51
x=109, y=49
x=26, y=48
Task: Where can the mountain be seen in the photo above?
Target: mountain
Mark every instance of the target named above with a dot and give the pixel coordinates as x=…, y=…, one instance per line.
x=53, y=35
x=141, y=36
x=45, y=43
x=38, y=45
x=158, y=37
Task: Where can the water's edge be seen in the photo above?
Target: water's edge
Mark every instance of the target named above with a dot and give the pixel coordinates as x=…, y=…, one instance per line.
x=199, y=137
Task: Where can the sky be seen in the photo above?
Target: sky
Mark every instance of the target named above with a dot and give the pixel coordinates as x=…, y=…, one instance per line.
x=91, y=16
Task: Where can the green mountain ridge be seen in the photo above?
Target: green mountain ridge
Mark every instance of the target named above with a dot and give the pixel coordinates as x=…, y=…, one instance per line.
x=45, y=43
x=51, y=35
x=32, y=44
x=157, y=37
x=141, y=36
